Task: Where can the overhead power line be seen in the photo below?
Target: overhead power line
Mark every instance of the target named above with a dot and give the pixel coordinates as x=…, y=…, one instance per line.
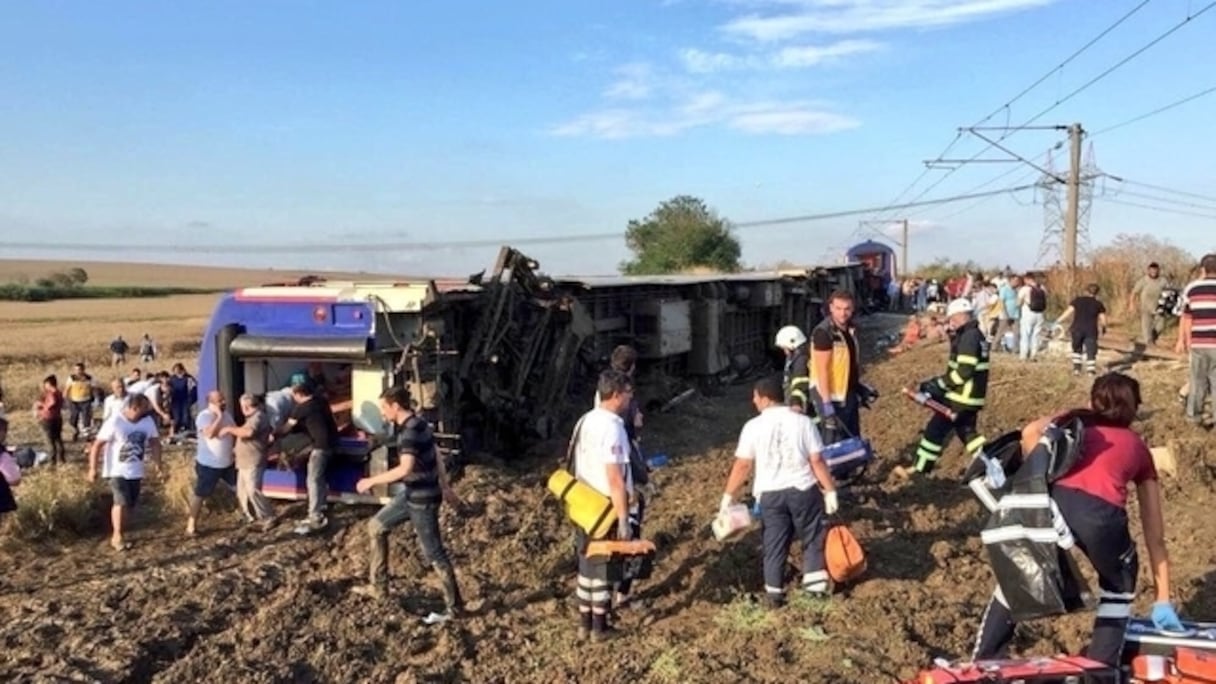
x=1166, y=200
x=1005, y=107
x=1159, y=188
x=405, y=245
x=1155, y=112
x=1167, y=210
x=1084, y=86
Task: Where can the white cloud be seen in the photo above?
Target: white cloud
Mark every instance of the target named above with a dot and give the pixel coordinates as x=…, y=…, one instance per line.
x=635, y=81
x=801, y=56
x=788, y=119
x=707, y=109
x=794, y=18
x=698, y=61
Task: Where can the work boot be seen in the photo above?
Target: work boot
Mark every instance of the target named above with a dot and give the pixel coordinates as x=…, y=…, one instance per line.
x=451, y=590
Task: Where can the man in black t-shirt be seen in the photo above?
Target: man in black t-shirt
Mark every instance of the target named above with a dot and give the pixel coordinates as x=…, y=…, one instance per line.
x=312, y=416
x=1088, y=324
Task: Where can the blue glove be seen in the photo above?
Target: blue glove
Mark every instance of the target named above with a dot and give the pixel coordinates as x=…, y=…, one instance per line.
x=1164, y=617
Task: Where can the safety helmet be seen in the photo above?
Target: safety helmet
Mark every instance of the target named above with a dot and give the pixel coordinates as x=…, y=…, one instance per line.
x=958, y=306
x=790, y=337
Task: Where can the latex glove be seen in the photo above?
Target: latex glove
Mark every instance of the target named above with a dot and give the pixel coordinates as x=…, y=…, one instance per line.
x=1164, y=617
x=726, y=503
x=995, y=474
x=831, y=503
x=624, y=531
x=828, y=410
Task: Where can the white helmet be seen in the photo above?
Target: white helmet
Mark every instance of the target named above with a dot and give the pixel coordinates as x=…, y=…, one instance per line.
x=958, y=306
x=790, y=338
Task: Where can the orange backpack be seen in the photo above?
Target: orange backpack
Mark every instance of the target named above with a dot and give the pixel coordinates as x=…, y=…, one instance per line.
x=842, y=554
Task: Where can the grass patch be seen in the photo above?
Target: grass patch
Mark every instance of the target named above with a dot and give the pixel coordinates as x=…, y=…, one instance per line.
x=57, y=504
x=803, y=603
x=666, y=668
x=62, y=505
x=743, y=615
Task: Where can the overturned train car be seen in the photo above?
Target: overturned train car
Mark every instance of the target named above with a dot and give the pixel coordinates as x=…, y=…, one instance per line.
x=502, y=359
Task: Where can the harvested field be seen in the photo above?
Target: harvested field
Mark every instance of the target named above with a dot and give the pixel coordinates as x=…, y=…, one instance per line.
x=236, y=605
x=111, y=273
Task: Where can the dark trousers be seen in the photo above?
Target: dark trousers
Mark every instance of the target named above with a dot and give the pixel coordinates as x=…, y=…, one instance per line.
x=53, y=430
x=1101, y=532
x=80, y=413
x=785, y=514
x=626, y=585
x=593, y=590
x=423, y=514
x=937, y=435
x=179, y=412
x=1084, y=349
x=848, y=415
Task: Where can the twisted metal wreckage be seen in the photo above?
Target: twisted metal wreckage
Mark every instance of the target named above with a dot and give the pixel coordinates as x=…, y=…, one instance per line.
x=508, y=358
x=500, y=360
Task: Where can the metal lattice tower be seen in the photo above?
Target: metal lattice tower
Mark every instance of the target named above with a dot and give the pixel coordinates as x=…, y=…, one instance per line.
x=1052, y=193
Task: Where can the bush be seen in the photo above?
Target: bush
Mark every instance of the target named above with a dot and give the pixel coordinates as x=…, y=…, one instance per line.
x=47, y=289
x=1115, y=268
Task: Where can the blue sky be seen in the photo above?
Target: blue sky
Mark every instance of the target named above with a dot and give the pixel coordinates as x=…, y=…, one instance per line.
x=204, y=124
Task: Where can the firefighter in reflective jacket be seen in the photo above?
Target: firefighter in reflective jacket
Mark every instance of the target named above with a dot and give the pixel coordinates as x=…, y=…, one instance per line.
x=796, y=380
x=963, y=388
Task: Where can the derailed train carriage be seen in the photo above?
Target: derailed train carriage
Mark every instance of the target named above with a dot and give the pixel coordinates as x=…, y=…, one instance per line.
x=498, y=361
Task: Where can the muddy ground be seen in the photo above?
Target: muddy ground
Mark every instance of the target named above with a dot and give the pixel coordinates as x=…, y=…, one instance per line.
x=240, y=606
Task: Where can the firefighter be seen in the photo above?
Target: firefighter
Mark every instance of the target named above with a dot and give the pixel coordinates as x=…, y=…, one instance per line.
x=963, y=388
x=835, y=373
x=796, y=380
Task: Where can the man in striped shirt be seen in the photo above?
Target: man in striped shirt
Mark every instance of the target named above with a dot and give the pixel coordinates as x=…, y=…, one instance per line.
x=1197, y=335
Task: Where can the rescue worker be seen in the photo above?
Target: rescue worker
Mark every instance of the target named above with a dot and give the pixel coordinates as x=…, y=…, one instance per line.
x=601, y=461
x=963, y=388
x=835, y=372
x=791, y=484
x=1092, y=499
x=421, y=469
x=624, y=359
x=796, y=378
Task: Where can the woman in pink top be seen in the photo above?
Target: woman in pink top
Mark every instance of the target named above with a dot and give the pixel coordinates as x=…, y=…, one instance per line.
x=1092, y=498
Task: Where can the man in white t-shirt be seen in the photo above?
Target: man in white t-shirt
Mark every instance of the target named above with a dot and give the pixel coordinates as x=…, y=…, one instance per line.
x=127, y=438
x=792, y=485
x=117, y=399
x=601, y=461
x=213, y=460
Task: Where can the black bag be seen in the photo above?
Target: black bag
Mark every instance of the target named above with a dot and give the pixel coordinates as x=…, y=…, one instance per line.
x=1037, y=577
x=1038, y=299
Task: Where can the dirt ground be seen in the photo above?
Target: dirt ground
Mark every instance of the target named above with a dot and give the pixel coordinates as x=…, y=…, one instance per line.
x=237, y=605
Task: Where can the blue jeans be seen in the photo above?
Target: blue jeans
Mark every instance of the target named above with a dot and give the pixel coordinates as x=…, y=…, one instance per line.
x=318, y=488
x=1030, y=327
x=423, y=513
x=1203, y=381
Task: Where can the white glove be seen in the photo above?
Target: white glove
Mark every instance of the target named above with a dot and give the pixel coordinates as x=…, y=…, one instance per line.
x=995, y=478
x=828, y=409
x=830, y=503
x=725, y=504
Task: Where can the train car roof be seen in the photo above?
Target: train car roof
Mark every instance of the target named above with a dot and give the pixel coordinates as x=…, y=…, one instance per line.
x=595, y=281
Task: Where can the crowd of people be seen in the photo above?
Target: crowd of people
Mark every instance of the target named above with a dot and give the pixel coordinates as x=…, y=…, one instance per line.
x=815, y=403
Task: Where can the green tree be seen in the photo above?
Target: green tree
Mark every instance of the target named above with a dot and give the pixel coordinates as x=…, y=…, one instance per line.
x=78, y=275
x=682, y=233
